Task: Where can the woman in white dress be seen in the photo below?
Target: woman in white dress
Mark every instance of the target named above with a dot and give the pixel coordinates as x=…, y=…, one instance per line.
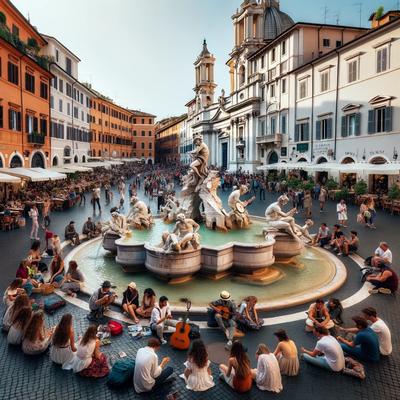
x=36, y=337
x=197, y=374
x=21, y=301
x=267, y=375
x=63, y=342
x=341, y=209
x=18, y=326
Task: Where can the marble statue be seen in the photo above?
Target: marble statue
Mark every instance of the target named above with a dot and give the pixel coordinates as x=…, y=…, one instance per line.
x=279, y=221
x=183, y=237
x=304, y=230
x=222, y=100
x=171, y=209
x=239, y=214
x=116, y=225
x=139, y=216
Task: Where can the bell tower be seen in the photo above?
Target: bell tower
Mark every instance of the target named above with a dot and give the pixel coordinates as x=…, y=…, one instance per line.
x=205, y=85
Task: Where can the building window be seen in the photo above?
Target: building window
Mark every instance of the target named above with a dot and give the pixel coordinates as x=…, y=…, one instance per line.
x=143, y=133
x=352, y=71
x=69, y=90
x=338, y=43
x=324, y=81
x=150, y=133
x=61, y=85
x=150, y=145
x=14, y=120
x=302, y=132
x=15, y=30
x=142, y=145
x=272, y=90
x=60, y=105
x=52, y=102
x=380, y=120
x=1, y=117
x=54, y=82
x=324, y=129
x=242, y=75
x=142, y=120
x=303, y=89
x=68, y=109
x=29, y=82
x=351, y=125
x=283, y=123
x=68, y=65
x=284, y=47
x=262, y=62
x=13, y=73
x=273, y=125
x=326, y=42
x=262, y=128
x=31, y=124
x=382, y=59
x=44, y=90
x=283, y=85
x=75, y=112
x=273, y=55
x=57, y=55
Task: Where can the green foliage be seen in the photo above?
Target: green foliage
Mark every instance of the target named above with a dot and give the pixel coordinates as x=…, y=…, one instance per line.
x=308, y=185
x=379, y=12
x=361, y=187
x=343, y=194
x=3, y=18
x=331, y=184
x=294, y=183
x=33, y=44
x=394, y=192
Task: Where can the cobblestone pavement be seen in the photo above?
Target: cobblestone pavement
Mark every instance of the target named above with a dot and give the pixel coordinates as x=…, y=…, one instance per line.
x=23, y=377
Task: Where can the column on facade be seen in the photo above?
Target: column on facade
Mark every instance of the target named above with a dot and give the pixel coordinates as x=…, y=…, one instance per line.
x=249, y=31
x=232, y=142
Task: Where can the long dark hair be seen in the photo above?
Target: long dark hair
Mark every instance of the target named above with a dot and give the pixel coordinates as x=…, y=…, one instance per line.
x=62, y=331
x=55, y=264
x=35, y=326
x=242, y=359
x=89, y=335
x=35, y=245
x=21, y=301
x=198, y=353
x=282, y=335
x=23, y=317
x=16, y=284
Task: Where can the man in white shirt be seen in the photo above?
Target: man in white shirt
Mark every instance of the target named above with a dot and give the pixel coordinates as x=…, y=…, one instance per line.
x=96, y=199
x=383, y=255
x=148, y=374
x=381, y=329
x=161, y=317
x=327, y=354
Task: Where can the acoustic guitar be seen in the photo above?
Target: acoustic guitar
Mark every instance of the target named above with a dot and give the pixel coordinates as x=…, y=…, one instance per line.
x=180, y=338
x=223, y=311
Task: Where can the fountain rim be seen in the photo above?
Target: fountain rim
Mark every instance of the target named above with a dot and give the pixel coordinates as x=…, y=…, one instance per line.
x=328, y=288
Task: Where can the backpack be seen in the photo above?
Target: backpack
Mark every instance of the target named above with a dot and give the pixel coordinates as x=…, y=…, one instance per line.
x=194, y=331
x=53, y=303
x=121, y=373
x=115, y=328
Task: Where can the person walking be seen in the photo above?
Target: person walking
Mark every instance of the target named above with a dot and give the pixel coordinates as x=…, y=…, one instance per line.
x=341, y=209
x=307, y=204
x=322, y=198
x=96, y=198
x=34, y=214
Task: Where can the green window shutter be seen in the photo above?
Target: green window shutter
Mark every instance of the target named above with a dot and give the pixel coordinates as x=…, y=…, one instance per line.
x=371, y=121
x=344, y=125
x=307, y=132
x=358, y=124
x=1, y=116
x=388, y=119
x=19, y=121
x=296, y=133
x=329, y=128
x=318, y=131
x=26, y=123
x=35, y=125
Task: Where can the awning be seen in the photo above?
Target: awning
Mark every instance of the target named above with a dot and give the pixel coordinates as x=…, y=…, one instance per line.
x=62, y=170
x=77, y=168
x=128, y=160
x=96, y=165
x=323, y=167
x=27, y=174
x=383, y=169
x=353, y=168
x=282, y=166
x=113, y=162
x=52, y=175
x=5, y=178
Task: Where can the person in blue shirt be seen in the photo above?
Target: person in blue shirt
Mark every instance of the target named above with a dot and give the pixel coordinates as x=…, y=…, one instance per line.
x=365, y=346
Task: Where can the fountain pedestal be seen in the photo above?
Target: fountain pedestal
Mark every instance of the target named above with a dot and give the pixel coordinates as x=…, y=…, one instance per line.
x=109, y=242
x=286, y=247
x=130, y=254
x=174, y=267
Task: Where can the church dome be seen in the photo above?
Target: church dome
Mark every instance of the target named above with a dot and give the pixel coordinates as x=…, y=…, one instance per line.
x=275, y=21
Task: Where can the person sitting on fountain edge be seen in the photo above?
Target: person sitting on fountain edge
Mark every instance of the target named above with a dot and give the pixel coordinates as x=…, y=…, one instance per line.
x=161, y=317
x=225, y=310
x=100, y=300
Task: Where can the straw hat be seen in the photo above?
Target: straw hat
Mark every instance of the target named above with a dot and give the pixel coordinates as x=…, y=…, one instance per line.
x=132, y=285
x=225, y=295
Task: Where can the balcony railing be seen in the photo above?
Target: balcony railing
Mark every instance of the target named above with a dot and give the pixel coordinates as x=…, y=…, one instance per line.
x=36, y=138
x=276, y=139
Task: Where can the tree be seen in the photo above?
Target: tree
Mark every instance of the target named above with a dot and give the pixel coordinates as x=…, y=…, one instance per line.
x=379, y=12
x=3, y=18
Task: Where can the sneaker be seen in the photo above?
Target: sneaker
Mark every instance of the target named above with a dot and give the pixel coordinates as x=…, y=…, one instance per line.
x=339, y=254
x=163, y=341
x=384, y=291
x=373, y=291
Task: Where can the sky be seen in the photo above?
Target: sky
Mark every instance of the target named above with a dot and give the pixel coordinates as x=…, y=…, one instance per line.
x=141, y=52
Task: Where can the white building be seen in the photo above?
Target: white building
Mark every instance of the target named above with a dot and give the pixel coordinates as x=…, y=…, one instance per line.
x=250, y=127
x=70, y=107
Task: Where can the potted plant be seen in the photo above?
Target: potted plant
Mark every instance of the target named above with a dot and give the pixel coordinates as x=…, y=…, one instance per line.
x=394, y=192
x=361, y=188
x=308, y=185
x=331, y=184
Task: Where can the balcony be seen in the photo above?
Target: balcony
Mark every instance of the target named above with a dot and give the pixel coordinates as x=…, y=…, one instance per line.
x=36, y=138
x=275, y=139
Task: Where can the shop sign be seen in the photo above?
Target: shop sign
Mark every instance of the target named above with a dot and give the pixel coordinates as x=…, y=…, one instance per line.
x=321, y=148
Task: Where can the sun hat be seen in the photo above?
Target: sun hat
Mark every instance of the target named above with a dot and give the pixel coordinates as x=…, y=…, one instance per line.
x=132, y=285
x=225, y=295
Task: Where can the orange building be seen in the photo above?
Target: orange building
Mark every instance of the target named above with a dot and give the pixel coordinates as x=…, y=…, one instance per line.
x=24, y=92
x=111, y=129
x=143, y=132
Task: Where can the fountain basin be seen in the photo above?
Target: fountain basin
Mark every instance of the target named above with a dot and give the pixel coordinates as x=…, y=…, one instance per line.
x=173, y=267
x=130, y=254
x=286, y=247
x=109, y=242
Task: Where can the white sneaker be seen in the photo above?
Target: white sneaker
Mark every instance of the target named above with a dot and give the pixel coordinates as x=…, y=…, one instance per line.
x=228, y=346
x=163, y=341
